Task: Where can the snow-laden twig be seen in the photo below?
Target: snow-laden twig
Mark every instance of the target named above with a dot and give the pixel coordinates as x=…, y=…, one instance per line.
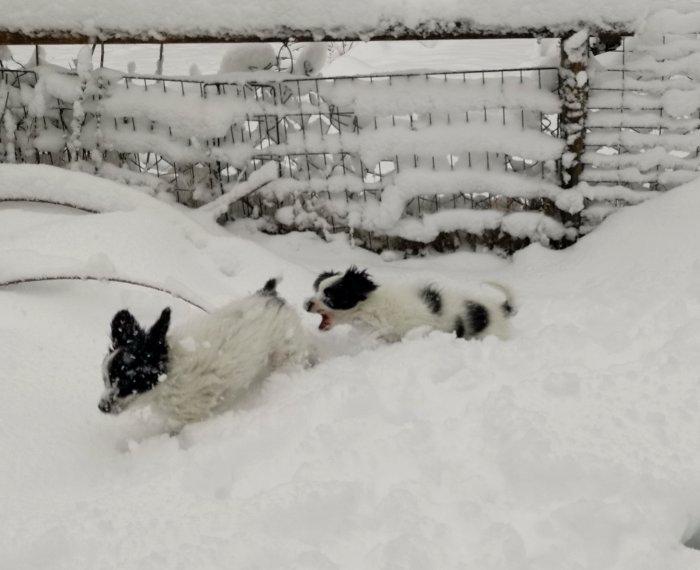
x=257, y=180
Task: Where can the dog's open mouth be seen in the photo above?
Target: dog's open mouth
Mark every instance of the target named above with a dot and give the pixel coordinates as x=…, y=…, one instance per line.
x=326, y=322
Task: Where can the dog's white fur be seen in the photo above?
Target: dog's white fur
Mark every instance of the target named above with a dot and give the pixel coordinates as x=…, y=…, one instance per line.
x=394, y=309
x=216, y=358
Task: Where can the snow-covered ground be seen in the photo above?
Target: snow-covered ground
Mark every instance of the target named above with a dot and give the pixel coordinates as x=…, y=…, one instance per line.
x=574, y=445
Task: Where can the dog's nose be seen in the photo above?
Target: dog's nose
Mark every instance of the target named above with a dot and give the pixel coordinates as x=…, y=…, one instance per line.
x=308, y=305
x=105, y=406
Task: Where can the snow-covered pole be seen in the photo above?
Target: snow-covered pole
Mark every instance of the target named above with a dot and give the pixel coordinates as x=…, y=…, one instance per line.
x=573, y=92
x=101, y=89
x=8, y=122
x=159, y=63
x=84, y=70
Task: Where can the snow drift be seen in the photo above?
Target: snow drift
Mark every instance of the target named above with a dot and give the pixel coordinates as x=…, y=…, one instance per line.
x=573, y=445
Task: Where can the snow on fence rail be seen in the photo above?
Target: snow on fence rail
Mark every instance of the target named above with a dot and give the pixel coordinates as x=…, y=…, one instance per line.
x=398, y=160
x=644, y=113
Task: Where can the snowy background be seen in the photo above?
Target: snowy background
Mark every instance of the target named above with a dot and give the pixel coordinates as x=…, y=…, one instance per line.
x=572, y=446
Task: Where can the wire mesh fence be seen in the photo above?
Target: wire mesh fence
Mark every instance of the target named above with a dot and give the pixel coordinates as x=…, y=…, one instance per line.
x=641, y=133
x=492, y=157
x=337, y=142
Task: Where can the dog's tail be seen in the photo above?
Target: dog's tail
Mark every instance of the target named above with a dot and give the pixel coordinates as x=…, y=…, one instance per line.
x=270, y=287
x=509, y=307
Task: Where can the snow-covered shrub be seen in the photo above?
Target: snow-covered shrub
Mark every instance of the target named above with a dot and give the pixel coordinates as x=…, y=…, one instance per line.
x=248, y=57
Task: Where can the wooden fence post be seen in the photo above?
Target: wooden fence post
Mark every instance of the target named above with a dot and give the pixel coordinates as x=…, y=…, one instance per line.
x=573, y=92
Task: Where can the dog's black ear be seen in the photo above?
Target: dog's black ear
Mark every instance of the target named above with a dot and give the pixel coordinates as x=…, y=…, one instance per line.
x=159, y=330
x=125, y=328
x=359, y=280
x=270, y=287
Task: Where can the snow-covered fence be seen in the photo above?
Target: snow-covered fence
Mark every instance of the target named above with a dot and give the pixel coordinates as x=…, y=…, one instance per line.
x=499, y=157
x=644, y=108
x=398, y=160
x=407, y=157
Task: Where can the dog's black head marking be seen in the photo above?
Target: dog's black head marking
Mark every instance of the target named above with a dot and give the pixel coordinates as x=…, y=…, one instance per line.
x=475, y=321
x=432, y=298
x=460, y=330
x=349, y=290
x=477, y=318
x=137, y=359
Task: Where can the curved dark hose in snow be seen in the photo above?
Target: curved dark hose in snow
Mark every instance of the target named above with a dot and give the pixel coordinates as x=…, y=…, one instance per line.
x=95, y=278
x=46, y=201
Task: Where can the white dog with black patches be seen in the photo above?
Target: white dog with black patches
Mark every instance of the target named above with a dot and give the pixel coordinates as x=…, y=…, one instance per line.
x=205, y=365
x=393, y=310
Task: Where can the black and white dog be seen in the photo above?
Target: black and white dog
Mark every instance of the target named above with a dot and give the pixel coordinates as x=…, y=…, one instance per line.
x=203, y=366
x=394, y=309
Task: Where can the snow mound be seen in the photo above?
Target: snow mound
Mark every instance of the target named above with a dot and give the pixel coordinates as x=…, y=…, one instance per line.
x=573, y=445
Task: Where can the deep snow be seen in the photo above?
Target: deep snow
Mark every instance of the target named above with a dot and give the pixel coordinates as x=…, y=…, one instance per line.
x=573, y=445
